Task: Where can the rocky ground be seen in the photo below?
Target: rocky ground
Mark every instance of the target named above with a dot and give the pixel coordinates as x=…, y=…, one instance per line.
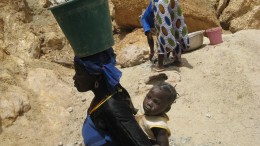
x=219, y=85
x=218, y=104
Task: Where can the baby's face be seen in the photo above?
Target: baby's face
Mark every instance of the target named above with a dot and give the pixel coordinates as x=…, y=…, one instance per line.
x=156, y=102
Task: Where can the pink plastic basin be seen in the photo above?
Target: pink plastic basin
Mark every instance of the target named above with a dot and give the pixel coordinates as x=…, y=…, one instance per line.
x=215, y=35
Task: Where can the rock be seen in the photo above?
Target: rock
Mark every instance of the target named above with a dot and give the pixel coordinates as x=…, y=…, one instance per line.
x=31, y=44
x=19, y=64
x=156, y=77
x=13, y=104
x=46, y=84
x=53, y=41
x=129, y=9
x=83, y=99
x=241, y=14
x=111, y=10
x=136, y=38
x=2, y=54
x=199, y=15
x=35, y=48
x=131, y=56
x=1, y=30
x=221, y=6
x=80, y=143
x=208, y=115
x=196, y=19
x=45, y=3
x=60, y=144
x=70, y=109
x=247, y=21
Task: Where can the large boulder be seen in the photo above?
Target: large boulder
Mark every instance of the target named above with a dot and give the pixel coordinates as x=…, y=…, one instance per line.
x=133, y=49
x=127, y=13
x=241, y=14
x=199, y=15
x=130, y=56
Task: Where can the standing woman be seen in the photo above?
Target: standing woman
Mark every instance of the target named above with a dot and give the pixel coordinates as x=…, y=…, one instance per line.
x=171, y=30
x=110, y=120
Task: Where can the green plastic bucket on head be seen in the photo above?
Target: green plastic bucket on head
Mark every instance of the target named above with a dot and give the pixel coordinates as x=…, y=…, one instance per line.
x=86, y=24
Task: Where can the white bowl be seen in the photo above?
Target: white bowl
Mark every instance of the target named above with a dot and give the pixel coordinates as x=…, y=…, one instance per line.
x=196, y=40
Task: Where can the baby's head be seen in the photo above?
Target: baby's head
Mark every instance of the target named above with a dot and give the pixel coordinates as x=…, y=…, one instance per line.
x=159, y=99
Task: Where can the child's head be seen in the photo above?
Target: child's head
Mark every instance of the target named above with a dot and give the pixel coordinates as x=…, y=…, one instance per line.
x=159, y=99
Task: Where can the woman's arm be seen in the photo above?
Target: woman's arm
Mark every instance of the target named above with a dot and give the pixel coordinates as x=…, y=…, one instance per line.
x=147, y=19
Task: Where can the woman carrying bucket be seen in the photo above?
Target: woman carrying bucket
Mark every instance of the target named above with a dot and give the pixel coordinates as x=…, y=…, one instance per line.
x=110, y=118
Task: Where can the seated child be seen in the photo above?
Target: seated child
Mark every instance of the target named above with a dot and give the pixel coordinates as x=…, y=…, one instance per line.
x=152, y=116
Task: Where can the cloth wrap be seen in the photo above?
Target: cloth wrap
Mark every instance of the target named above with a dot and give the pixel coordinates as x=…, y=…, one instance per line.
x=102, y=63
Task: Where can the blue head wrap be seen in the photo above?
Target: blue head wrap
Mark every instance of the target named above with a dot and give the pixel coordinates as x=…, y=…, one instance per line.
x=102, y=63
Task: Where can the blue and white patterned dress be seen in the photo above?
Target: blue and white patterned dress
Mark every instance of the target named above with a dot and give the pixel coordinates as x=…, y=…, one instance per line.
x=172, y=32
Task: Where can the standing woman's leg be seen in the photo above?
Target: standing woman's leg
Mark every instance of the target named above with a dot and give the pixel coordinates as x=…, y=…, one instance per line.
x=151, y=44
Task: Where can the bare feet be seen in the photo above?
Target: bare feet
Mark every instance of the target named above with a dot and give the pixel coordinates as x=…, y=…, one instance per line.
x=158, y=68
x=151, y=56
x=178, y=63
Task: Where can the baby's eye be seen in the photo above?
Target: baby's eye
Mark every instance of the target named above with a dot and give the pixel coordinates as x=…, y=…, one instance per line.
x=156, y=102
x=148, y=97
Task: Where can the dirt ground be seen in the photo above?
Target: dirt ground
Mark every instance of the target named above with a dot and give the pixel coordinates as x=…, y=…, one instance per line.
x=219, y=88
x=218, y=85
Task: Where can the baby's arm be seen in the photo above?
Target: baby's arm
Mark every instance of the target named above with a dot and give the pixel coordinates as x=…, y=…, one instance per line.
x=161, y=136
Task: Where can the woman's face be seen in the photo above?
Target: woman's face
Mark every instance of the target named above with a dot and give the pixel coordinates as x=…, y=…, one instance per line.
x=83, y=81
x=156, y=102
